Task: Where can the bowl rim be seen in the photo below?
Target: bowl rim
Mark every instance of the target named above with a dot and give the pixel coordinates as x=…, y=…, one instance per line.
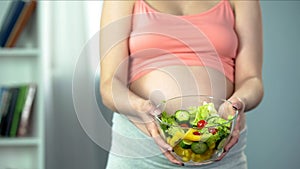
x=207, y=96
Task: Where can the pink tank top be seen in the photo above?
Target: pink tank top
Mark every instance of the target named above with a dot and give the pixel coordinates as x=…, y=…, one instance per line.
x=205, y=39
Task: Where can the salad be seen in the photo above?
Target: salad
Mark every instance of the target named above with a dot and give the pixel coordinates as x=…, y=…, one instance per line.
x=196, y=134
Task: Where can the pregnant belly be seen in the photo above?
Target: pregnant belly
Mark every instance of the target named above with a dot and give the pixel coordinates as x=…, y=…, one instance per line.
x=175, y=81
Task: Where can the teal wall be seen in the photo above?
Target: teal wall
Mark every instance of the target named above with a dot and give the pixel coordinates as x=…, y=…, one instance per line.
x=274, y=128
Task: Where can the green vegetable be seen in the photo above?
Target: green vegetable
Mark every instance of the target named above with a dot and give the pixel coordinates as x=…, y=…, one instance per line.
x=167, y=120
x=213, y=139
x=221, y=144
x=186, y=144
x=205, y=136
x=182, y=116
x=199, y=147
x=202, y=112
x=173, y=129
x=206, y=112
x=217, y=120
x=192, y=117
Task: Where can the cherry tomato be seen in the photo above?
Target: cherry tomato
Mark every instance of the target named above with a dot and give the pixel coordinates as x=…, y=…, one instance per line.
x=213, y=130
x=196, y=133
x=201, y=124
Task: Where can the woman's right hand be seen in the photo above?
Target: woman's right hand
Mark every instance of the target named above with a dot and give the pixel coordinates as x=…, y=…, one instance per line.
x=152, y=128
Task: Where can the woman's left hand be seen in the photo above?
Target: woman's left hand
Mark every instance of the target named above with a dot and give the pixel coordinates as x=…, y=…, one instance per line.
x=239, y=105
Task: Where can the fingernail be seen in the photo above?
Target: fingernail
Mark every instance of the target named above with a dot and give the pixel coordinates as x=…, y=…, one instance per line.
x=235, y=106
x=170, y=149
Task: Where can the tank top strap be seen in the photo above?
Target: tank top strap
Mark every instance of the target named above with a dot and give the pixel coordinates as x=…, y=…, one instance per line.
x=141, y=7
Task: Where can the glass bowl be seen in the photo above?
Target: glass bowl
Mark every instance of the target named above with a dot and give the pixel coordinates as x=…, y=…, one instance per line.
x=197, y=127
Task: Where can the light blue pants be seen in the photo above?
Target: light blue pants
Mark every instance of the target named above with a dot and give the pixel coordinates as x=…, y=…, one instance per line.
x=133, y=149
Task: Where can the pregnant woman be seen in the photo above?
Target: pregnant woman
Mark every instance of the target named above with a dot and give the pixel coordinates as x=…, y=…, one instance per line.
x=155, y=50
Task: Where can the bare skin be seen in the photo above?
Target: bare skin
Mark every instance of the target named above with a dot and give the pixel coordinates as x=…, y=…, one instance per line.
x=181, y=80
x=133, y=100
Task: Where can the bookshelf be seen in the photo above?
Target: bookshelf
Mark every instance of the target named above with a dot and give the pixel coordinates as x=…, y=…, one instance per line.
x=25, y=63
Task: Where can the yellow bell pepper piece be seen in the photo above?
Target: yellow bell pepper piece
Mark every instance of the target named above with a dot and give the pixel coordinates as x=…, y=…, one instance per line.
x=176, y=137
x=189, y=135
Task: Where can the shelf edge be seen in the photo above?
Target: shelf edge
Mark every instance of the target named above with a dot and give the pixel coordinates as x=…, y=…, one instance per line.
x=17, y=52
x=4, y=142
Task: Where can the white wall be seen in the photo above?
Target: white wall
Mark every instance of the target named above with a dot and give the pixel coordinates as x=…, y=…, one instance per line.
x=71, y=25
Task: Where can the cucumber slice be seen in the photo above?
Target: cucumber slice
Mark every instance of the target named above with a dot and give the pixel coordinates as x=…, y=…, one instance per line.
x=185, y=144
x=199, y=147
x=192, y=119
x=182, y=116
x=221, y=144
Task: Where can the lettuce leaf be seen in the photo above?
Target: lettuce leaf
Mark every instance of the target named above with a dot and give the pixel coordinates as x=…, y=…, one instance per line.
x=202, y=112
x=167, y=120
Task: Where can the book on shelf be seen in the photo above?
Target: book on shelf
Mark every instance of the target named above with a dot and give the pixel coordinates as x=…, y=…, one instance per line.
x=15, y=20
x=16, y=109
x=10, y=20
x=5, y=101
x=21, y=22
x=24, y=124
x=11, y=108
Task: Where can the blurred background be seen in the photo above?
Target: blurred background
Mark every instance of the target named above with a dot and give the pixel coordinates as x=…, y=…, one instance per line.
x=67, y=33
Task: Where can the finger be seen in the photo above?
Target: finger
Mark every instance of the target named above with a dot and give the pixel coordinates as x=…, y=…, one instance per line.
x=222, y=155
x=237, y=103
x=171, y=158
x=153, y=110
x=233, y=140
x=226, y=109
x=164, y=147
x=234, y=136
x=154, y=133
x=231, y=143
